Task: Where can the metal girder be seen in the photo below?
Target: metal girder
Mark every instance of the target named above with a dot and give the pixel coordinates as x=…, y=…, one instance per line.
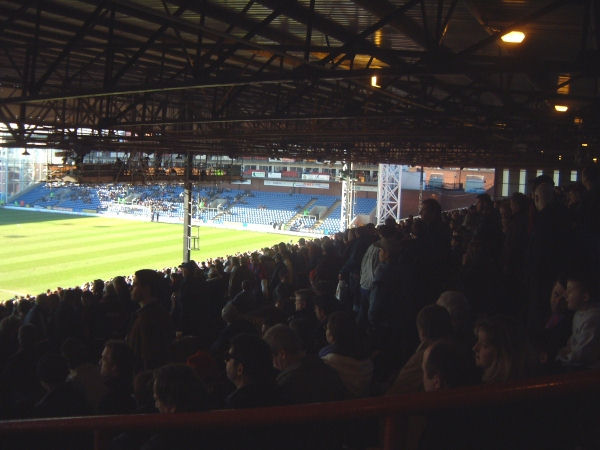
x=349, y=44
x=144, y=47
x=219, y=44
x=266, y=21
x=208, y=82
x=303, y=15
x=389, y=192
x=90, y=22
x=403, y=23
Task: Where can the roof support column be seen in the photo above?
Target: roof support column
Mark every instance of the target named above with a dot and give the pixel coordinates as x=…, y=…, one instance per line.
x=498, y=182
x=513, y=181
x=187, y=208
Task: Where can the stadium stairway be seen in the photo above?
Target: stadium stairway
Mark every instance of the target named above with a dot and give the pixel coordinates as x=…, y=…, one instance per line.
x=319, y=222
x=300, y=213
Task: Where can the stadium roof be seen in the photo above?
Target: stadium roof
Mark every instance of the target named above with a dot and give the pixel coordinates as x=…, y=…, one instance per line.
x=293, y=78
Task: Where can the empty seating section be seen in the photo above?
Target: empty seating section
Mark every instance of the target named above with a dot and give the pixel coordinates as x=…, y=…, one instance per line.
x=332, y=223
x=326, y=200
x=364, y=205
x=209, y=204
x=267, y=208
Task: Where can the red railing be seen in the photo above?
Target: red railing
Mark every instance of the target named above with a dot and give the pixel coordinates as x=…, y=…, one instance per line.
x=390, y=409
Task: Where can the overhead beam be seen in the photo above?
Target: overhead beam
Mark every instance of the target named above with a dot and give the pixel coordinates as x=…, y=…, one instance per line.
x=90, y=22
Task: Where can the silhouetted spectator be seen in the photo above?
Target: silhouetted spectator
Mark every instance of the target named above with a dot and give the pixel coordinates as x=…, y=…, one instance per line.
x=303, y=378
x=249, y=367
x=152, y=331
x=116, y=368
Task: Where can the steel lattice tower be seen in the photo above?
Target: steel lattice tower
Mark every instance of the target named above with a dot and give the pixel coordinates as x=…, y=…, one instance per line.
x=347, y=213
x=389, y=192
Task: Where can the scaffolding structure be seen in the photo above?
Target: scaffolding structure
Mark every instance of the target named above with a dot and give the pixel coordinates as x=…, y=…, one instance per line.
x=347, y=210
x=389, y=192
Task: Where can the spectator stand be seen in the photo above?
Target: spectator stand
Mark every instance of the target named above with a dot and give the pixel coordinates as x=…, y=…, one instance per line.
x=302, y=214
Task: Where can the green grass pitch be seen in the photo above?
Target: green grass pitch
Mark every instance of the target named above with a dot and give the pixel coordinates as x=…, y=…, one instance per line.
x=40, y=251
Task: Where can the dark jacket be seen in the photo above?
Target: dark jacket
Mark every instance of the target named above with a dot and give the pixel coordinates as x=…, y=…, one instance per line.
x=309, y=381
x=252, y=396
x=118, y=399
x=151, y=335
x=63, y=401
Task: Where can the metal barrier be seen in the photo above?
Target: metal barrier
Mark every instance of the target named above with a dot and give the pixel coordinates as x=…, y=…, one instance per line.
x=390, y=409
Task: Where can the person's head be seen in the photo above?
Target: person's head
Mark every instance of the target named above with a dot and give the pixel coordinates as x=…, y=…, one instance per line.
x=121, y=287
x=457, y=306
x=433, y=322
x=499, y=349
x=445, y=366
x=117, y=360
x=74, y=351
x=286, y=346
x=389, y=249
x=590, y=176
x=146, y=286
x=342, y=331
x=431, y=211
x=42, y=301
x=230, y=313
x=98, y=287
x=324, y=305
x=177, y=388
x=386, y=231
x=575, y=193
x=484, y=203
x=518, y=202
x=188, y=268
x=543, y=196
x=582, y=290
x=246, y=285
x=303, y=299
x=558, y=296
x=248, y=361
x=52, y=370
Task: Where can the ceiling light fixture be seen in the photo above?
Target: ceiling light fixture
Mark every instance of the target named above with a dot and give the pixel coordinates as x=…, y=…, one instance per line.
x=513, y=37
x=561, y=108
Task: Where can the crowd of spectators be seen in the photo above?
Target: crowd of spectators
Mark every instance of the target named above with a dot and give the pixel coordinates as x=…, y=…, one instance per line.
x=498, y=292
